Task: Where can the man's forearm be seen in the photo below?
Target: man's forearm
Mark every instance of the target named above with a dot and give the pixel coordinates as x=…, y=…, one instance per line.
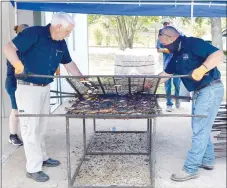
x=163, y=80
x=214, y=60
x=10, y=52
x=73, y=69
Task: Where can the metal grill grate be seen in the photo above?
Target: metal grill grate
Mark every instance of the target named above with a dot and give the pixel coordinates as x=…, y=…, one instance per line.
x=114, y=95
x=120, y=85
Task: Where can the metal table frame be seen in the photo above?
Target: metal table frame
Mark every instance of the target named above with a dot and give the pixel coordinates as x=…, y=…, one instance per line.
x=151, y=122
x=151, y=129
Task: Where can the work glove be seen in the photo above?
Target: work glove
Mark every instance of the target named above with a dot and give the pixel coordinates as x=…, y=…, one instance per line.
x=19, y=67
x=165, y=50
x=197, y=74
x=19, y=71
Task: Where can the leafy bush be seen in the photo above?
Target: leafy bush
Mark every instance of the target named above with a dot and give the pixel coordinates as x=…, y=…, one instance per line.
x=98, y=37
x=107, y=40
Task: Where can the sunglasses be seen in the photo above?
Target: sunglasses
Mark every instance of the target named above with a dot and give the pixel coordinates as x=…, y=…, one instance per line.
x=160, y=33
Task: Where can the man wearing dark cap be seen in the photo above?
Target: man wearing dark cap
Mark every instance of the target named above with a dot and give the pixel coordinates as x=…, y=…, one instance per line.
x=199, y=59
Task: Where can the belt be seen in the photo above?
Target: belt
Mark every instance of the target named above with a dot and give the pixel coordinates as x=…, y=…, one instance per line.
x=210, y=84
x=21, y=82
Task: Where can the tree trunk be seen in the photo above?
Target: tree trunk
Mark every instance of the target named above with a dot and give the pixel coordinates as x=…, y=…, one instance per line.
x=126, y=28
x=121, y=28
x=216, y=32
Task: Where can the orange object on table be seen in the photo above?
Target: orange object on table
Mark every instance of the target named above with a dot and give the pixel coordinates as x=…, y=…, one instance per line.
x=58, y=71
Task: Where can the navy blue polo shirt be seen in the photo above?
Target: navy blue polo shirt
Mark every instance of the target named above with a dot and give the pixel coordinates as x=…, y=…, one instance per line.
x=41, y=54
x=192, y=54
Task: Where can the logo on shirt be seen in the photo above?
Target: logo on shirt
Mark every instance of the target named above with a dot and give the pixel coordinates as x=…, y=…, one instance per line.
x=58, y=51
x=185, y=56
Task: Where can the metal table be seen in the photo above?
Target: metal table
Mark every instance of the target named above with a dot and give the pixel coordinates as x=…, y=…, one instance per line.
x=99, y=85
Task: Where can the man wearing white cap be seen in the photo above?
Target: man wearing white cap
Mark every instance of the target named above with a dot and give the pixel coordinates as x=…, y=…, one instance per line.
x=42, y=49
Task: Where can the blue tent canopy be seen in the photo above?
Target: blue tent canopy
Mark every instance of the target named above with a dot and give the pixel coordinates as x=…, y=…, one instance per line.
x=133, y=8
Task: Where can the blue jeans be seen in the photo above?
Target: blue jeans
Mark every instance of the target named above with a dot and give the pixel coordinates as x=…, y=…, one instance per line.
x=168, y=84
x=11, y=86
x=207, y=102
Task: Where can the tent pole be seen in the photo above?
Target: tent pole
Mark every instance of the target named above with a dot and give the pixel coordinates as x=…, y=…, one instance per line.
x=192, y=18
x=15, y=13
x=9, y=25
x=146, y=3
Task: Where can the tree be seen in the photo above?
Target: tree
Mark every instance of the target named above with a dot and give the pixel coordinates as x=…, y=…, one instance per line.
x=198, y=27
x=217, y=25
x=93, y=18
x=216, y=32
x=125, y=27
x=223, y=23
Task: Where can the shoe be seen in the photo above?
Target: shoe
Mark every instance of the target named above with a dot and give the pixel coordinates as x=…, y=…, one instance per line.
x=207, y=167
x=51, y=163
x=177, y=103
x=169, y=109
x=183, y=176
x=15, y=140
x=38, y=176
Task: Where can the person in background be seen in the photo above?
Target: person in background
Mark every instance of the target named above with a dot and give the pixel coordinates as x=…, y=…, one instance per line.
x=168, y=84
x=11, y=86
x=43, y=48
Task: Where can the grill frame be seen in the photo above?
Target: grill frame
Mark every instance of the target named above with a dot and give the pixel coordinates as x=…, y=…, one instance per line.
x=151, y=131
x=151, y=121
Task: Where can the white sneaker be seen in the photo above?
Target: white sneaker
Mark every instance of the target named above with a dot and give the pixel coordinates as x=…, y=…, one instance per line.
x=177, y=103
x=169, y=109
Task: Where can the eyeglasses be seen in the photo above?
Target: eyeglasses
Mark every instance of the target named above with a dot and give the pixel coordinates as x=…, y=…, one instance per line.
x=160, y=33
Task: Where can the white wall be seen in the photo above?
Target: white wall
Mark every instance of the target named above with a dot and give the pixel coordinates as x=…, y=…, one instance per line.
x=25, y=17
x=80, y=54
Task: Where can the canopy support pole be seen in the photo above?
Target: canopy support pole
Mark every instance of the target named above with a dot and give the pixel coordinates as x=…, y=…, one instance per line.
x=15, y=13
x=192, y=18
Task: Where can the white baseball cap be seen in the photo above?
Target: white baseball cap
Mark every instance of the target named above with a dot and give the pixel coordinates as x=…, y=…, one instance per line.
x=166, y=21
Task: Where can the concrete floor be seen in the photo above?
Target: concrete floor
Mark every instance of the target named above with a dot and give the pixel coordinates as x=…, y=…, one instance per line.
x=173, y=140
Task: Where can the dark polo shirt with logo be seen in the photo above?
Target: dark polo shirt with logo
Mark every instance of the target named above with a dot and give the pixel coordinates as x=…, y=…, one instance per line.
x=41, y=54
x=192, y=53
